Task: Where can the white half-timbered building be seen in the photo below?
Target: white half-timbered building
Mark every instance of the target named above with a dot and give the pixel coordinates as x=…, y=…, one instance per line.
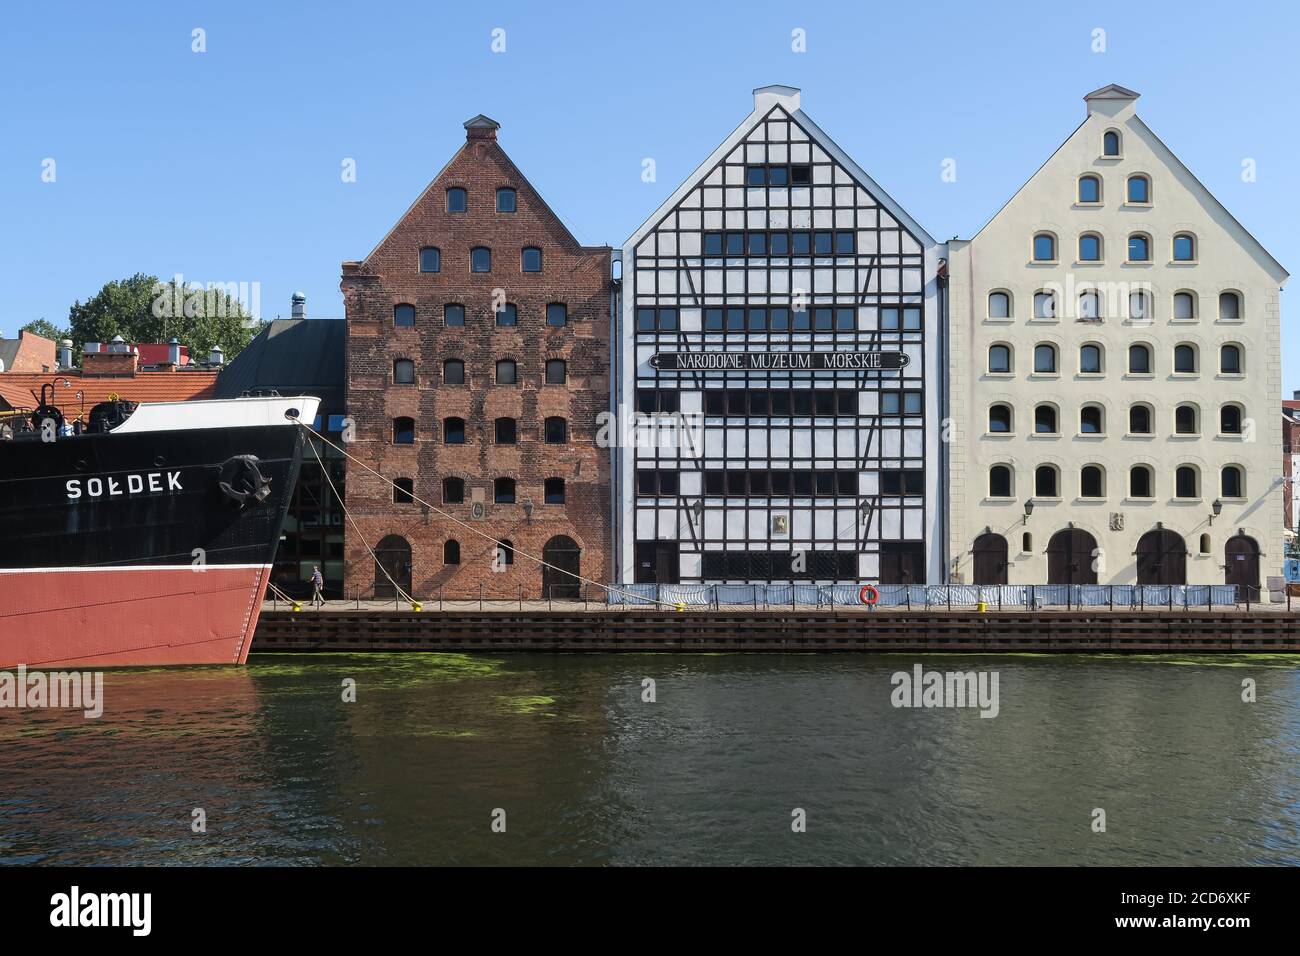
x=779, y=350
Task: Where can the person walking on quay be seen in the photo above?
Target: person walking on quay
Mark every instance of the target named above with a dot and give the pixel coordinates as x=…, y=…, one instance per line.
x=317, y=582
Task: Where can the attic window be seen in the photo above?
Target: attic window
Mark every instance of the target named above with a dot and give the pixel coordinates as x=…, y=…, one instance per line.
x=456, y=199
x=1110, y=143
x=505, y=199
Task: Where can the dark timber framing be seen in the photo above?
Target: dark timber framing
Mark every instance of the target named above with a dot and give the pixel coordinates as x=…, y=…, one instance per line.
x=866, y=287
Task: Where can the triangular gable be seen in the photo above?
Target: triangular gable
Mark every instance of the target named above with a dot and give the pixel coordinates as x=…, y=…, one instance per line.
x=815, y=135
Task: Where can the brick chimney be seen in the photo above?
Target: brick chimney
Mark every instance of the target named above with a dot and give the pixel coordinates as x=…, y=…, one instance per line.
x=118, y=361
x=481, y=127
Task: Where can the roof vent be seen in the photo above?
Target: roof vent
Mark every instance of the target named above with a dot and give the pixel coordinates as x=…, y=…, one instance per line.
x=298, y=306
x=765, y=97
x=481, y=127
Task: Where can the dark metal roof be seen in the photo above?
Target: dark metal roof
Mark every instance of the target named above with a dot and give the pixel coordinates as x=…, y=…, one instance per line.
x=8, y=352
x=293, y=357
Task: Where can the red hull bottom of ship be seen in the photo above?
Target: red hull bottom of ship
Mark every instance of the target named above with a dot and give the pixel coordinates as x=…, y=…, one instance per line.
x=129, y=617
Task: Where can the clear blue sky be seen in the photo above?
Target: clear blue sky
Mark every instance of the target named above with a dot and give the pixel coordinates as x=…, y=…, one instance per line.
x=225, y=166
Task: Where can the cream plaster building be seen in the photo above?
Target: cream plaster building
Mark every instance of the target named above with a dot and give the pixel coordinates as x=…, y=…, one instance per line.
x=1114, y=374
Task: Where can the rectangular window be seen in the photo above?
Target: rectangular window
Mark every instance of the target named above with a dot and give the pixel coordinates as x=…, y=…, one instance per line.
x=801, y=243
x=902, y=482
x=453, y=315
x=713, y=243
x=758, y=243
x=823, y=244
x=778, y=244
x=735, y=243
x=845, y=243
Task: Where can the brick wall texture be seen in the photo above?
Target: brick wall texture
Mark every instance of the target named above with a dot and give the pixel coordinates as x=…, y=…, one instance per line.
x=575, y=275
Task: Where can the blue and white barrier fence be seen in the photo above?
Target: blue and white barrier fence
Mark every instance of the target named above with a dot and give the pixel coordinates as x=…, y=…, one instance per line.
x=1007, y=596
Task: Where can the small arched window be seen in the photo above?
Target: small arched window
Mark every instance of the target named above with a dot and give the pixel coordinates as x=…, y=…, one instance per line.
x=530, y=260
x=553, y=489
x=1090, y=309
x=1185, y=358
x=453, y=491
x=404, y=316
x=453, y=431
x=556, y=430
x=1092, y=420
x=1186, y=483
x=403, y=372
x=1000, y=419
x=1045, y=420
x=557, y=315
x=1044, y=305
x=1184, y=247
x=1139, y=482
x=1089, y=189
x=1090, y=359
x=507, y=372
x=480, y=259
x=506, y=431
x=1090, y=247
x=1092, y=482
x=1230, y=420
x=1230, y=359
x=505, y=199
x=1206, y=548
x=456, y=199
x=1139, y=360
x=999, y=358
x=503, y=491
x=430, y=259
x=1139, y=306
x=403, y=491
x=1231, y=482
x=453, y=372
x=999, y=305
x=1185, y=420
x=1044, y=358
x=1110, y=144
x=557, y=372
x=451, y=552
x=1184, y=306
x=1045, y=247
x=1139, y=189
x=1139, y=420
x=1046, y=484
x=1229, y=306
x=1000, y=482
x=1139, y=247
x=1027, y=542
x=403, y=431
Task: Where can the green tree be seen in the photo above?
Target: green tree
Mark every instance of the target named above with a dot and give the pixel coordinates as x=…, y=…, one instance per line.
x=145, y=309
x=45, y=329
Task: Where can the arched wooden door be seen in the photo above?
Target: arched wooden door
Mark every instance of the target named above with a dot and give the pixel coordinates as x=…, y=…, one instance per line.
x=990, y=552
x=563, y=560
x=393, y=555
x=1070, y=556
x=1162, y=557
x=1241, y=566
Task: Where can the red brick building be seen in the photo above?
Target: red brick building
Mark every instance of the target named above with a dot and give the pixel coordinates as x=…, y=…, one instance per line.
x=478, y=356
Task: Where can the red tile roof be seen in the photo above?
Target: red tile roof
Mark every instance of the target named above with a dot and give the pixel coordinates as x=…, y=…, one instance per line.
x=16, y=389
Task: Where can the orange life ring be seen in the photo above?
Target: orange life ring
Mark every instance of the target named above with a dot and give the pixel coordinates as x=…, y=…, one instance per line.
x=863, y=594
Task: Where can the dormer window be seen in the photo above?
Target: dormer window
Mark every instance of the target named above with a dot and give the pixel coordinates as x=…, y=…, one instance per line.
x=1110, y=144
x=456, y=200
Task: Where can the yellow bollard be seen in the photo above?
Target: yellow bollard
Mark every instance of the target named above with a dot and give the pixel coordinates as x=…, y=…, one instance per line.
x=296, y=607
x=679, y=606
x=417, y=606
x=982, y=606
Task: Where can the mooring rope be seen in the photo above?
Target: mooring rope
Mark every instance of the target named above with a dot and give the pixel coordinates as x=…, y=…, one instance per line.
x=608, y=589
x=401, y=592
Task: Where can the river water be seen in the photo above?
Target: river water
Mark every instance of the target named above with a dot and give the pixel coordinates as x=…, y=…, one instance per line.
x=567, y=753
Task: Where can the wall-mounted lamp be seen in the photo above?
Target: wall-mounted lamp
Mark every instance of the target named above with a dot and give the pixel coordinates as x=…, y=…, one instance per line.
x=1217, y=509
x=528, y=507
x=1029, y=509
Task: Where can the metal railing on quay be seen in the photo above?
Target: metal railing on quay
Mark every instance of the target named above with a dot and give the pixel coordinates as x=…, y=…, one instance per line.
x=832, y=597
